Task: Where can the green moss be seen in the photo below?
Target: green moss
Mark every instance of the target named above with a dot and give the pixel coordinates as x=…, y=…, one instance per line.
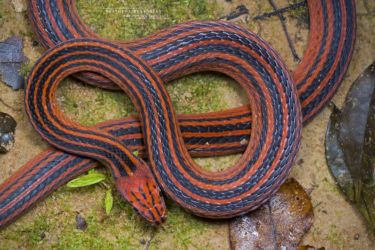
x=335, y=237
x=30, y=234
x=35, y=233
x=200, y=93
x=26, y=68
x=182, y=230
x=123, y=229
x=90, y=105
x=89, y=239
x=102, y=232
x=134, y=18
x=301, y=14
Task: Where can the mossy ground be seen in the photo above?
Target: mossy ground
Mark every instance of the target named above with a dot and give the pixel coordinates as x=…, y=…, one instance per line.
x=51, y=224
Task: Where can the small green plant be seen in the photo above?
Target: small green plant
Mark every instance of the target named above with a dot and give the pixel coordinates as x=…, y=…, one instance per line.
x=108, y=201
x=91, y=178
x=94, y=177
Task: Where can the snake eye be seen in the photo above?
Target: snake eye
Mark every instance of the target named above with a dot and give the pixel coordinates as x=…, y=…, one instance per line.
x=144, y=196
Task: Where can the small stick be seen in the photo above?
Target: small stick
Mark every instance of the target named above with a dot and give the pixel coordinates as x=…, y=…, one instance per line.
x=282, y=19
x=274, y=231
x=152, y=236
x=239, y=11
x=7, y=105
x=282, y=10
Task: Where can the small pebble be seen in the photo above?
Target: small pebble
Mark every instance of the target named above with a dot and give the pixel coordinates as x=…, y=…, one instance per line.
x=81, y=223
x=300, y=162
x=42, y=235
x=356, y=237
x=7, y=130
x=35, y=43
x=244, y=142
x=19, y=5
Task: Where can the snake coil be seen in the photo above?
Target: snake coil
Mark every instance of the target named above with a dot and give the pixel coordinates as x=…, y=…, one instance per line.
x=140, y=68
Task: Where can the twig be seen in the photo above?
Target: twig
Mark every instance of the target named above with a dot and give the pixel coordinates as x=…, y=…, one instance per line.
x=290, y=43
x=239, y=11
x=7, y=105
x=317, y=205
x=152, y=236
x=274, y=233
x=282, y=10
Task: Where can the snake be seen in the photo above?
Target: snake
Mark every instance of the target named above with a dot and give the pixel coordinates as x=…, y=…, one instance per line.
x=171, y=54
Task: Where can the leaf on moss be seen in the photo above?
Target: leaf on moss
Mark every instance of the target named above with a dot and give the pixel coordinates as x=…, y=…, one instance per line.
x=350, y=145
x=86, y=180
x=108, y=201
x=278, y=224
x=11, y=58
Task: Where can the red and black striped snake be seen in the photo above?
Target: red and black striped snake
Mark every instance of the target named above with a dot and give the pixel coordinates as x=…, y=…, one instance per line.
x=140, y=68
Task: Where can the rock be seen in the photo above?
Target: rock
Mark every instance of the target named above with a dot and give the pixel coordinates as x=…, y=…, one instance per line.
x=19, y=5
x=11, y=58
x=279, y=224
x=7, y=130
x=81, y=223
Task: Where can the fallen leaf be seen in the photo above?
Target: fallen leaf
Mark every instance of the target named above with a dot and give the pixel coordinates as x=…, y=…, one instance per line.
x=279, y=224
x=350, y=146
x=86, y=180
x=335, y=157
x=108, y=201
x=11, y=58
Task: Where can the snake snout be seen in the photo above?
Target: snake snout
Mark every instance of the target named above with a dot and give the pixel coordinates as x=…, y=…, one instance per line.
x=144, y=195
x=148, y=202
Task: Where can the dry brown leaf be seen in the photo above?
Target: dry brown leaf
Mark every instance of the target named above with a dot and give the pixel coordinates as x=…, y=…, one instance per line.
x=279, y=224
x=350, y=145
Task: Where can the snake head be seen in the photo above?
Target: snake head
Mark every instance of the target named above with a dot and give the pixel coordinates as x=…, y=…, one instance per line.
x=141, y=190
